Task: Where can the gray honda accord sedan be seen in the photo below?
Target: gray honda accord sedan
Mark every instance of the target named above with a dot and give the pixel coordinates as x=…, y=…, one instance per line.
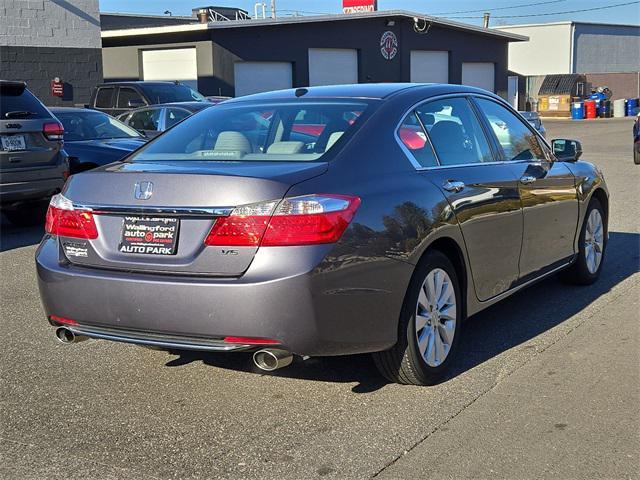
x=322, y=221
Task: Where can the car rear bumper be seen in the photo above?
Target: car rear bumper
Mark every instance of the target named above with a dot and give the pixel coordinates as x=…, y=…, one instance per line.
x=16, y=190
x=283, y=296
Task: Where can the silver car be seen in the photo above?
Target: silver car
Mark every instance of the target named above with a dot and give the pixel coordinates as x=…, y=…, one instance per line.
x=322, y=221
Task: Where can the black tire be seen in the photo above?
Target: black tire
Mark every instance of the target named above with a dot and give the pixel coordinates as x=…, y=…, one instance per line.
x=636, y=154
x=403, y=363
x=28, y=214
x=578, y=273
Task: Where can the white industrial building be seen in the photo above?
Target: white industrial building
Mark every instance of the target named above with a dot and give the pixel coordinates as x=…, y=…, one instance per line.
x=574, y=47
x=605, y=54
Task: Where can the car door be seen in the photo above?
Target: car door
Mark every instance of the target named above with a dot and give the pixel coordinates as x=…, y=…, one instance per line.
x=147, y=121
x=547, y=190
x=482, y=193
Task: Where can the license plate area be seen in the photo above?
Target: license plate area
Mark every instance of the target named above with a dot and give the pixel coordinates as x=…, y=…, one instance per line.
x=149, y=235
x=13, y=143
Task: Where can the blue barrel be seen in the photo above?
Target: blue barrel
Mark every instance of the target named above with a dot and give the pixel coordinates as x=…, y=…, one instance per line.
x=577, y=110
x=605, y=109
x=632, y=107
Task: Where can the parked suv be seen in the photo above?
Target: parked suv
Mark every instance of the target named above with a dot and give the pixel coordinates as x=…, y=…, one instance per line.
x=119, y=97
x=33, y=165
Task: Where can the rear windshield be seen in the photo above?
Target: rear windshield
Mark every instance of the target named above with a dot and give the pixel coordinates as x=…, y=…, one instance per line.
x=168, y=93
x=290, y=131
x=18, y=102
x=90, y=125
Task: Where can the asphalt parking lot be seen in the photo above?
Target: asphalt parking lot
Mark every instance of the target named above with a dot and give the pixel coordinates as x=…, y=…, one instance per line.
x=547, y=386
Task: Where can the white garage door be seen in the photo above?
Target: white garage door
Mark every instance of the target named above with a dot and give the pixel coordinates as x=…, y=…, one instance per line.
x=172, y=64
x=429, y=66
x=478, y=74
x=332, y=66
x=255, y=77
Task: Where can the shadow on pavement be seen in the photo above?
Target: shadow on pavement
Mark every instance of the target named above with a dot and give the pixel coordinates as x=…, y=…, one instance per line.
x=501, y=327
x=12, y=237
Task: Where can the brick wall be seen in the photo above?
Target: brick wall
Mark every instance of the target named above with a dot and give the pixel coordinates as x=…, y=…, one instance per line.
x=80, y=69
x=44, y=39
x=50, y=23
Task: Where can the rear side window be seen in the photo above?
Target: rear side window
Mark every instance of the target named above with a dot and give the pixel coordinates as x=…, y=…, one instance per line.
x=414, y=138
x=127, y=95
x=146, y=119
x=455, y=132
x=287, y=131
x=18, y=102
x=104, y=97
x=518, y=142
x=175, y=115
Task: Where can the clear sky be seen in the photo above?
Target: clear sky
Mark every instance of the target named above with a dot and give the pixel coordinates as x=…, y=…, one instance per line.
x=629, y=14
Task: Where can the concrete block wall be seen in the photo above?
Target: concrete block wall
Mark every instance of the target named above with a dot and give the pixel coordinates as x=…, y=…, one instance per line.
x=50, y=23
x=44, y=39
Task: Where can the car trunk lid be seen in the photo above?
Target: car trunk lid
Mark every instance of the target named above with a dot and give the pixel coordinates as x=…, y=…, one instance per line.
x=183, y=201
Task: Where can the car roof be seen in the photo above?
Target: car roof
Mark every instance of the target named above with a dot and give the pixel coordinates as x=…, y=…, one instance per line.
x=186, y=105
x=138, y=82
x=377, y=91
x=74, y=109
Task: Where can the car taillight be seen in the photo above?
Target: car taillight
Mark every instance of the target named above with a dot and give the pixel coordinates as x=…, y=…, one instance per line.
x=305, y=220
x=53, y=131
x=66, y=221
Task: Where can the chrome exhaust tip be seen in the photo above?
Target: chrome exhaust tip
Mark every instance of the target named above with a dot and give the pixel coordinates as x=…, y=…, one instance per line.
x=64, y=335
x=270, y=359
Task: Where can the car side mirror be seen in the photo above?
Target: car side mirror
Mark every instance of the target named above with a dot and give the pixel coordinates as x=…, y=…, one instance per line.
x=566, y=150
x=133, y=103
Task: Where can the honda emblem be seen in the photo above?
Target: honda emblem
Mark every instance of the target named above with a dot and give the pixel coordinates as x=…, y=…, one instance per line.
x=143, y=190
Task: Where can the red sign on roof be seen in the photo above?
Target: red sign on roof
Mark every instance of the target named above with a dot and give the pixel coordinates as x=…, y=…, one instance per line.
x=359, y=6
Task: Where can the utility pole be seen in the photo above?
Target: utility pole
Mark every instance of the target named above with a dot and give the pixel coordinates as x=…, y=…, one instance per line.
x=485, y=19
x=273, y=9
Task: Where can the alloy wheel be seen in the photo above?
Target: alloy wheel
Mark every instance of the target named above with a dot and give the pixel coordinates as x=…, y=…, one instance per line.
x=594, y=241
x=436, y=317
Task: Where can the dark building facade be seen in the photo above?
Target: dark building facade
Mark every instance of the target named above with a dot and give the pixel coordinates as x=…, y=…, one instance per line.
x=238, y=57
x=41, y=40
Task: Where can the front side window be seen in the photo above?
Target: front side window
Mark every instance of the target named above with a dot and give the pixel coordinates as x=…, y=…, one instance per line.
x=146, y=119
x=104, y=97
x=455, y=132
x=258, y=131
x=127, y=95
x=414, y=138
x=518, y=142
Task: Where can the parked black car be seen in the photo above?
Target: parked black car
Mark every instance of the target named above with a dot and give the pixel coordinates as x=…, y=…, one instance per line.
x=94, y=138
x=33, y=165
x=118, y=97
x=152, y=121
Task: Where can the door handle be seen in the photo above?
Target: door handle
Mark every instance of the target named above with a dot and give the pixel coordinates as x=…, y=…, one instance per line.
x=453, y=186
x=527, y=179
